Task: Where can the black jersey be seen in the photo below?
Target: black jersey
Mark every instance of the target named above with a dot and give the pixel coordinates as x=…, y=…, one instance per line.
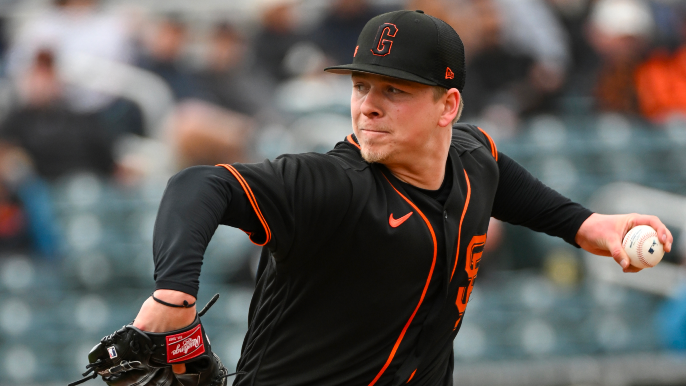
x=363, y=280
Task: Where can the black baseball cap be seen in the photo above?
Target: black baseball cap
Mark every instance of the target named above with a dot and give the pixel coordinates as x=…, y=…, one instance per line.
x=409, y=45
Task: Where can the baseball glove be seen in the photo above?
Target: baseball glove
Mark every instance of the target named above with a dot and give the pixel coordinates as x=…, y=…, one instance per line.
x=131, y=357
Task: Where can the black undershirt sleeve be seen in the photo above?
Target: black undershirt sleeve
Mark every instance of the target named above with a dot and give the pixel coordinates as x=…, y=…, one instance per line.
x=521, y=199
x=195, y=202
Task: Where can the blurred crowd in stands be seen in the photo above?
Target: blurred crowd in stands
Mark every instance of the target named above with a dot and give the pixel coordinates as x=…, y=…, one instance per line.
x=119, y=91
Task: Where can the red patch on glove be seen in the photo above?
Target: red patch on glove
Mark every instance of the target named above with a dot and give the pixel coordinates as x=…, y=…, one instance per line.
x=184, y=346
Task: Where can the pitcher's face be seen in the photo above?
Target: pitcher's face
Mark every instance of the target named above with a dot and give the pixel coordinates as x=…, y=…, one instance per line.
x=392, y=117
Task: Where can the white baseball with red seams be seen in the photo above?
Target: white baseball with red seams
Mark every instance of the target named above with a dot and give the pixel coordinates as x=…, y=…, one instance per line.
x=643, y=246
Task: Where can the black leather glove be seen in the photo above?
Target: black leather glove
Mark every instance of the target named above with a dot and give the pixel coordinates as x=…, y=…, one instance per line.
x=132, y=357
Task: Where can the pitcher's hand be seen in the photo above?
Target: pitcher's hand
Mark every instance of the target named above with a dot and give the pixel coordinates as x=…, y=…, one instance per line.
x=603, y=234
x=156, y=317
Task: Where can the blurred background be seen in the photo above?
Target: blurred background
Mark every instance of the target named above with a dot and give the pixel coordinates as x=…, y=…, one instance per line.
x=102, y=101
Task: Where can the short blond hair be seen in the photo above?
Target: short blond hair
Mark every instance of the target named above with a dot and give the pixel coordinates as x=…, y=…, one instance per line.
x=439, y=91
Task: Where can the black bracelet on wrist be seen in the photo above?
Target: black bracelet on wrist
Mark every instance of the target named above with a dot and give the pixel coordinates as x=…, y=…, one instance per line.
x=184, y=305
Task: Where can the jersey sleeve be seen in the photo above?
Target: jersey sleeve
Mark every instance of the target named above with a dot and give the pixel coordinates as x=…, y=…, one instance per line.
x=521, y=199
x=194, y=203
x=297, y=199
x=275, y=203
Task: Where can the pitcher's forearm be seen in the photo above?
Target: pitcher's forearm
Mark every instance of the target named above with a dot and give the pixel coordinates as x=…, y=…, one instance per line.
x=156, y=317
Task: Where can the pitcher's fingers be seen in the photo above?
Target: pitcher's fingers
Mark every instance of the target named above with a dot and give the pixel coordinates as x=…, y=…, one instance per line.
x=663, y=234
x=619, y=255
x=179, y=369
x=622, y=258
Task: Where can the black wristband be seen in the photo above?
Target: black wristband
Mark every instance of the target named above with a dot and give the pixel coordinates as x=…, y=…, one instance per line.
x=184, y=305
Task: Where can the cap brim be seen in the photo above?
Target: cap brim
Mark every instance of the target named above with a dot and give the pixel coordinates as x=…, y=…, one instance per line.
x=379, y=70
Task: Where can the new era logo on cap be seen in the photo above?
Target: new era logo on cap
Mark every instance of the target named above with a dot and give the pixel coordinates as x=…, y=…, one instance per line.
x=409, y=45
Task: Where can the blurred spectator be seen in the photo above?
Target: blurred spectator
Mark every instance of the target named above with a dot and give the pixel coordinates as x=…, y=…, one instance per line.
x=78, y=31
x=229, y=81
x=573, y=16
x=4, y=39
x=460, y=14
x=57, y=140
x=620, y=32
x=163, y=56
x=209, y=124
x=73, y=29
x=278, y=34
x=337, y=33
x=122, y=116
x=661, y=84
x=14, y=230
x=498, y=76
x=27, y=220
x=516, y=64
x=530, y=27
x=669, y=17
x=217, y=126
x=205, y=134
x=494, y=71
x=661, y=79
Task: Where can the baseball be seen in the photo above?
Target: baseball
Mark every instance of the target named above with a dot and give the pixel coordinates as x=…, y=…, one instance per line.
x=643, y=246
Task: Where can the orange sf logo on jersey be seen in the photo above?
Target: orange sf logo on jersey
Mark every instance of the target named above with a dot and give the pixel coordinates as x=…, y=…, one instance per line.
x=474, y=251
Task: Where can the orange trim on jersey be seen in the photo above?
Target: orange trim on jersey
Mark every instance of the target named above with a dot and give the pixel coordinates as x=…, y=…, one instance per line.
x=253, y=202
x=351, y=140
x=459, y=231
x=494, y=150
x=426, y=286
x=411, y=376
